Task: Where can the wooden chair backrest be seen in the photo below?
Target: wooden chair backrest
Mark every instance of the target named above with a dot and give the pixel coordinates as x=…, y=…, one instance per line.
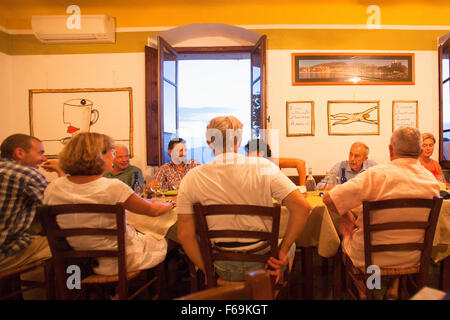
x=62, y=254
x=205, y=235
x=429, y=228
x=257, y=286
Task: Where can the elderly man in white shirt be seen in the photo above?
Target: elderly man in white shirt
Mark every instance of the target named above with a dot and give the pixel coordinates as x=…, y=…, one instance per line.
x=234, y=179
x=403, y=177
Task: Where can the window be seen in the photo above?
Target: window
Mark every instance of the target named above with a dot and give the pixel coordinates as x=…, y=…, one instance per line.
x=444, y=104
x=163, y=109
x=204, y=94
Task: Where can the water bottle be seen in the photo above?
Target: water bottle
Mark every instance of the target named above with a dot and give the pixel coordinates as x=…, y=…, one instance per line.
x=137, y=185
x=310, y=182
x=343, y=178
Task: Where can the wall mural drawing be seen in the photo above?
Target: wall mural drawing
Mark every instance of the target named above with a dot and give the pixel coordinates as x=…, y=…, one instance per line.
x=57, y=115
x=353, y=117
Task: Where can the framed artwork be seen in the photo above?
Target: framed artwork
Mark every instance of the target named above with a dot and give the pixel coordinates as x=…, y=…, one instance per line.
x=352, y=69
x=405, y=113
x=56, y=115
x=299, y=118
x=353, y=117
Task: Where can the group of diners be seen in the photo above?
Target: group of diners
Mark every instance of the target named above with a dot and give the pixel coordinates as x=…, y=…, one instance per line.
x=92, y=169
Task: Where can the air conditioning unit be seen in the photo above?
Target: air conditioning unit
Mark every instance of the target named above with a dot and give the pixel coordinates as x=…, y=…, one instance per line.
x=91, y=29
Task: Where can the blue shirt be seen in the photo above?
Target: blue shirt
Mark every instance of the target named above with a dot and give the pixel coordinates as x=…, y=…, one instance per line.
x=21, y=190
x=349, y=174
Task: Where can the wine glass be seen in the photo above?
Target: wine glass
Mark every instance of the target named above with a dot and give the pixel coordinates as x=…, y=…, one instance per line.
x=164, y=187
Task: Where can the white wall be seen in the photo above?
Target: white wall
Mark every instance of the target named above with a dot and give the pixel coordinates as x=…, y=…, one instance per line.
x=127, y=70
x=78, y=71
x=321, y=151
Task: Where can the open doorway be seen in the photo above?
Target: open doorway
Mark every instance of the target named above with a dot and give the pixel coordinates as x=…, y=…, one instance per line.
x=208, y=87
x=239, y=71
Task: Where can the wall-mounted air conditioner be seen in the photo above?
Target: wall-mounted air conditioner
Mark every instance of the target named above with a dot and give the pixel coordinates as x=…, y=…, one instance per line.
x=91, y=29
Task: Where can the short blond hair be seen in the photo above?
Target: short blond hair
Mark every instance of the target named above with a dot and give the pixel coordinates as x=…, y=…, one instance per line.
x=224, y=132
x=83, y=154
x=427, y=135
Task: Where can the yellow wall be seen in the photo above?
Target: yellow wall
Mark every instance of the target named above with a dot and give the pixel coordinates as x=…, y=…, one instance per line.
x=145, y=13
x=259, y=15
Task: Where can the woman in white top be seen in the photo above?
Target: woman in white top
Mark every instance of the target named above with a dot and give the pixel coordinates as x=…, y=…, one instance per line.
x=85, y=159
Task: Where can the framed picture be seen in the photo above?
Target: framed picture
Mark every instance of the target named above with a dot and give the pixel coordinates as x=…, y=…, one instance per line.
x=299, y=118
x=353, y=117
x=352, y=69
x=58, y=114
x=405, y=113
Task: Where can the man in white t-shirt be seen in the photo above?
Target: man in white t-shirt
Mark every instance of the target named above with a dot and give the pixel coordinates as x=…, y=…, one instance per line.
x=234, y=179
x=403, y=177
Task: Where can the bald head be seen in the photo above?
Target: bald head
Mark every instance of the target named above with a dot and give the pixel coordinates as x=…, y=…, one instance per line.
x=406, y=142
x=357, y=155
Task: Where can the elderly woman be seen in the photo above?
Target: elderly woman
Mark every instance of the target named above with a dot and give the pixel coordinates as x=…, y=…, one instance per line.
x=85, y=159
x=428, y=142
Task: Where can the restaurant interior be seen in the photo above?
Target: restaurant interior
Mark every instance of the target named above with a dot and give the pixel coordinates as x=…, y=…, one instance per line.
x=318, y=77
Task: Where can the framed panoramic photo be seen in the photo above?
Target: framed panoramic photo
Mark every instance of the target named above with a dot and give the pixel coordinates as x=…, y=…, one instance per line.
x=58, y=114
x=405, y=113
x=352, y=69
x=353, y=117
x=299, y=118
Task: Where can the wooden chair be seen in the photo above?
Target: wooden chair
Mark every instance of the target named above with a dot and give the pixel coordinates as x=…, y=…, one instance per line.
x=211, y=253
x=63, y=255
x=12, y=286
x=257, y=286
x=414, y=277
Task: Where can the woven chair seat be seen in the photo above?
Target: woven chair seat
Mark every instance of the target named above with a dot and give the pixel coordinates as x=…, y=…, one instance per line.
x=9, y=272
x=98, y=278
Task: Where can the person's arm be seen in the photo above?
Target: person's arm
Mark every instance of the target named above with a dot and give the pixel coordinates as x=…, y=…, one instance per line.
x=188, y=239
x=299, y=210
x=52, y=166
x=347, y=224
x=438, y=167
x=327, y=183
x=294, y=163
x=138, y=205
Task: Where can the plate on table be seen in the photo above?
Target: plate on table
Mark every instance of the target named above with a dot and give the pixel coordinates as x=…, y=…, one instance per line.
x=171, y=193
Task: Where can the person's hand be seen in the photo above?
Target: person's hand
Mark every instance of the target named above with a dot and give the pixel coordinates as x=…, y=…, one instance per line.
x=276, y=266
x=52, y=166
x=347, y=224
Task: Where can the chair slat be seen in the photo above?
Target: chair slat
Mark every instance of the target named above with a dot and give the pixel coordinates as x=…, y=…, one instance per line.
x=398, y=225
x=397, y=247
x=84, y=232
x=235, y=256
x=237, y=209
x=89, y=254
x=239, y=234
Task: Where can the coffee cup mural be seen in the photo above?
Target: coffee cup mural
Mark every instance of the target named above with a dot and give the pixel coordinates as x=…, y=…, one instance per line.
x=79, y=115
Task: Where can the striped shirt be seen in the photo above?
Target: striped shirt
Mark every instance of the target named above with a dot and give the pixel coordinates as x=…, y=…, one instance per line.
x=21, y=190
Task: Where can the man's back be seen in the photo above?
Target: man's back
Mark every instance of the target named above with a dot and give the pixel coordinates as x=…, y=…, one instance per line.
x=21, y=189
x=402, y=178
x=234, y=179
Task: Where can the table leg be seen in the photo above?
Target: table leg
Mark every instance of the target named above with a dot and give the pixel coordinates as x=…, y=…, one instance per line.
x=307, y=271
x=445, y=275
